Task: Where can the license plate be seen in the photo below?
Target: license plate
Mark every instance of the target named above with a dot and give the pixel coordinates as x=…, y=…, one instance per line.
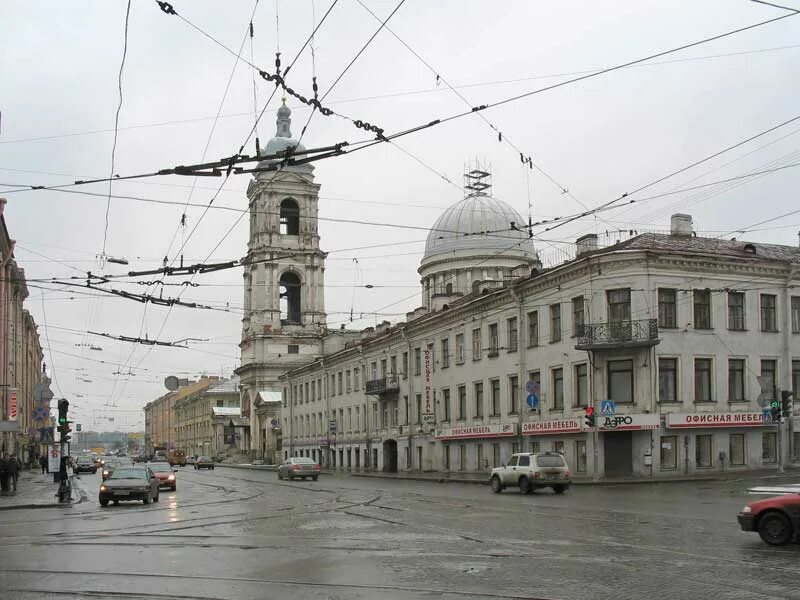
x=122, y=493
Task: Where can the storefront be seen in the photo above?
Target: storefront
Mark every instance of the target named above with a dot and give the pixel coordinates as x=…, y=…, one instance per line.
x=559, y=435
x=474, y=447
x=627, y=442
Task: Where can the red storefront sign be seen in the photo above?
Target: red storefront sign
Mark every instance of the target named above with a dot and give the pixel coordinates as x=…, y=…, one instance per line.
x=706, y=420
x=476, y=431
x=552, y=426
x=12, y=404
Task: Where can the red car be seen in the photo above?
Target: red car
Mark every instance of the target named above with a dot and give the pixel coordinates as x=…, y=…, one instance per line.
x=165, y=475
x=777, y=519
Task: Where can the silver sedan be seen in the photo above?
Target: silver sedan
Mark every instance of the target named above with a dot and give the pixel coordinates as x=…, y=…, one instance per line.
x=299, y=466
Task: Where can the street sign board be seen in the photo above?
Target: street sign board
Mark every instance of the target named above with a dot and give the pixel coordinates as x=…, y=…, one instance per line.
x=608, y=408
x=12, y=404
x=77, y=427
x=332, y=427
x=46, y=435
x=54, y=459
x=533, y=401
x=766, y=415
x=532, y=387
x=40, y=413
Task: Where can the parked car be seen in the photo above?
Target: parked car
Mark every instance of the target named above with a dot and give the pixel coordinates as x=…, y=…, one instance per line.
x=530, y=471
x=165, y=474
x=204, y=462
x=776, y=519
x=299, y=466
x=129, y=483
x=85, y=463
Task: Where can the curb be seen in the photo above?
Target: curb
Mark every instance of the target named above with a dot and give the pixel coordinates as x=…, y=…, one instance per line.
x=78, y=495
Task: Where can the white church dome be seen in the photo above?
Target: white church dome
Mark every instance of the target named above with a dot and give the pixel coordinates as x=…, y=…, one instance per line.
x=283, y=140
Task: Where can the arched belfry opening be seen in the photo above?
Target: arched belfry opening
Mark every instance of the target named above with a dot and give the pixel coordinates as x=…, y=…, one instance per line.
x=290, y=218
x=290, y=299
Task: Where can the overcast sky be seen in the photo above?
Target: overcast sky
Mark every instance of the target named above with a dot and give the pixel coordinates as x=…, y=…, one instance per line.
x=597, y=138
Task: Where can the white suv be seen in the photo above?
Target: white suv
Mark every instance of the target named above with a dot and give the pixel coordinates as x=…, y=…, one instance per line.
x=530, y=471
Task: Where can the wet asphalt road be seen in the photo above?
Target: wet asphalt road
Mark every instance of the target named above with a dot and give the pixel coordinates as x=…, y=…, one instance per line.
x=243, y=534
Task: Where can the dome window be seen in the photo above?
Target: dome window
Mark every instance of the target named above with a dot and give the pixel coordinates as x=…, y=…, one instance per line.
x=749, y=248
x=290, y=218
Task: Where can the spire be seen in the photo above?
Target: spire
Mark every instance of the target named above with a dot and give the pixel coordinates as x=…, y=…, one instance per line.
x=284, y=121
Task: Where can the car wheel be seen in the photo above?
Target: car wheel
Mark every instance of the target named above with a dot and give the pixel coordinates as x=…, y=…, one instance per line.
x=315, y=477
x=497, y=485
x=103, y=501
x=525, y=485
x=174, y=488
x=559, y=489
x=212, y=467
x=116, y=502
x=775, y=528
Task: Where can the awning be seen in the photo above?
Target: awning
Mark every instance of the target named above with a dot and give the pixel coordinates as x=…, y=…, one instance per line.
x=9, y=426
x=270, y=396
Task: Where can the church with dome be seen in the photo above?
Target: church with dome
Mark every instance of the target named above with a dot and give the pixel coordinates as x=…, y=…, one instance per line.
x=504, y=355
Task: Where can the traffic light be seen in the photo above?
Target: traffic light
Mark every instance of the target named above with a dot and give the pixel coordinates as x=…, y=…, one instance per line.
x=588, y=416
x=786, y=403
x=63, y=406
x=65, y=430
x=775, y=411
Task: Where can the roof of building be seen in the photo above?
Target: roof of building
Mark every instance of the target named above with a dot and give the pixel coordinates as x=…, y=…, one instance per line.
x=476, y=224
x=226, y=411
x=228, y=386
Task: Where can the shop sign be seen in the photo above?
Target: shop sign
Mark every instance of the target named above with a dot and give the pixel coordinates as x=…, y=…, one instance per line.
x=706, y=420
x=551, y=426
x=630, y=422
x=476, y=431
x=428, y=409
x=12, y=404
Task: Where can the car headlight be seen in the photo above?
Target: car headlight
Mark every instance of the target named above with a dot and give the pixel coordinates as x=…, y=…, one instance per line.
x=171, y=477
x=103, y=488
x=747, y=510
x=105, y=473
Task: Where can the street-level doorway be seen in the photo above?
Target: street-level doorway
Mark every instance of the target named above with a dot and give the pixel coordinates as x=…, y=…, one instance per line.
x=390, y=456
x=618, y=454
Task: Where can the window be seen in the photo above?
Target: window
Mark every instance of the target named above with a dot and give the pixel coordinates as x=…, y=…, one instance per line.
x=293, y=349
x=332, y=390
x=555, y=323
x=737, y=449
x=667, y=379
x=795, y=314
x=494, y=342
x=419, y=409
x=736, y=311
x=512, y=334
x=383, y=367
x=534, y=446
x=446, y=404
x=796, y=381
x=459, y=348
x=619, y=305
x=375, y=417
x=356, y=378
x=393, y=365
x=481, y=463
x=513, y=392
x=577, y=316
x=495, y=397
x=289, y=218
x=580, y=456
x=558, y=389
x=462, y=458
x=348, y=385
x=669, y=452
x=768, y=378
x=419, y=457
x=558, y=446
x=702, y=380
x=736, y=380
x=289, y=299
x=702, y=309
x=702, y=451
x=349, y=419
x=620, y=381
x=496, y=455
x=446, y=457
x=407, y=420
x=417, y=361
x=445, y=353
x=769, y=447
x=667, y=308
x=462, y=402
x=769, y=320
x=358, y=419
x=523, y=461
x=341, y=384
x=476, y=344
x=533, y=328
x=581, y=384
x=479, y=400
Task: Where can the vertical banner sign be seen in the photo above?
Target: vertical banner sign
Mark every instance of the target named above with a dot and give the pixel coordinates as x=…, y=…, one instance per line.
x=428, y=382
x=54, y=459
x=12, y=404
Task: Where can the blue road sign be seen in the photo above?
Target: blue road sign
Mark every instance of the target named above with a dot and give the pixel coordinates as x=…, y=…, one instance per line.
x=608, y=408
x=533, y=400
x=766, y=415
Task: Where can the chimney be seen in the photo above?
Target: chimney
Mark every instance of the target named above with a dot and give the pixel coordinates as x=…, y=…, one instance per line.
x=585, y=243
x=681, y=225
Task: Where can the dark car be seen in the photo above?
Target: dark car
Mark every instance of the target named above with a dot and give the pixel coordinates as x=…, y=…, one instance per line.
x=777, y=519
x=204, y=462
x=85, y=464
x=129, y=483
x=165, y=474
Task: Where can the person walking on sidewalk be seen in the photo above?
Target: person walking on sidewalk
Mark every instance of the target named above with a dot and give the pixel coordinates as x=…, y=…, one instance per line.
x=4, y=474
x=43, y=463
x=13, y=471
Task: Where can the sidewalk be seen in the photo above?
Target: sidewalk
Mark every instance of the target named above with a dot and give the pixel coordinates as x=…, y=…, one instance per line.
x=35, y=490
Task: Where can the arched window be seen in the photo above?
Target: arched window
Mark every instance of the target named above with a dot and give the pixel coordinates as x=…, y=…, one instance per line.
x=290, y=299
x=448, y=289
x=290, y=217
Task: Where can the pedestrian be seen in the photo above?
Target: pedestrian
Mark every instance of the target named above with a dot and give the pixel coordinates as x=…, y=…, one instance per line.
x=43, y=463
x=4, y=474
x=13, y=471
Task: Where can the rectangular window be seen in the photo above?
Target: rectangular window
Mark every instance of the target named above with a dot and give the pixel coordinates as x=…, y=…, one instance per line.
x=462, y=458
x=375, y=417
x=383, y=367
x=496, y=455
x=333, y=384
x=737, y=452
x=580, y=456
x=769, y=379
x=341, y=383
x=479, y=400
x=555, y=323
x=769, y=318
x=293, y=349
x=476, y=344
x=513, y=392
x=417, y=361
x=462, y=402
x=702, y=380
x=620, y=381
x=358, y=419
x=418, y=414
x=407, y=407
x=494, y=341
x=533, y=328
x=702, y=309
x=736, y=311
x=736, y=380
x=667, y=379
x=419, y=457
x=534, y=446
x=558, y=446
x=373, y=368
x=446, y=404
x=446, y=457
x=495, y=397
x=558, y=389
x=581, y=384
x=405, y=365
x=577, y=316
x=619, y=306
x=513, y=336
x=796, y=384
x=795, y=314
x=667, y=308
x=459, y=348
x=669, y=452
x=356, y=378
x=347, y=381
x=349, y=419
x=702, y=451
x=445, y=353
x=769, y=447
x=393, y=365
x=481, y=461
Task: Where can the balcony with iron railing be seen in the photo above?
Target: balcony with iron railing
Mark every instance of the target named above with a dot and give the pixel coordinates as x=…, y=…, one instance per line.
x=641, y=333
x=383, y=385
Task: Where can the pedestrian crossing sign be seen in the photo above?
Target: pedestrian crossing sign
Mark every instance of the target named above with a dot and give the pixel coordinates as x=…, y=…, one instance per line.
x=607, y=408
